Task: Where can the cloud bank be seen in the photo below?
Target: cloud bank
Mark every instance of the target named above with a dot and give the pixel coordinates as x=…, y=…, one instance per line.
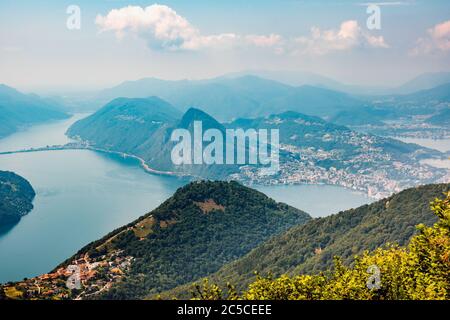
x=437, y=40
x=164, y=29
x=347, y=37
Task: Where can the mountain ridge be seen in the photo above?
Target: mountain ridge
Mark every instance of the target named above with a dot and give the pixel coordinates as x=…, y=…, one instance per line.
x=227, y=98
x=18, y=110
x=310, y=248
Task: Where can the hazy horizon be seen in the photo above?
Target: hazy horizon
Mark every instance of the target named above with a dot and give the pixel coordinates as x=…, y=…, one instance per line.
x=122, y=41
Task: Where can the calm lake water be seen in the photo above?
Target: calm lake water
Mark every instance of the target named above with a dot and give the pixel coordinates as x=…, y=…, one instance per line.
x=438, y=163
x=442, y=145
x=317, y=200
x=82, y=195
x=40, y=135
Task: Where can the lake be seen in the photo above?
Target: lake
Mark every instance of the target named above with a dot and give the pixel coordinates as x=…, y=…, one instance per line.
x=82, y=195
x=41, y=135
x=442, y=145
x=317, y=200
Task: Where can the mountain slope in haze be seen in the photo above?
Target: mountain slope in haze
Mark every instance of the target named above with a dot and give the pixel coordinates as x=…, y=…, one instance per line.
x=18, y=110
x=361, y=116
x=311, y=100
x=292, y=78
x=228, y=98
x=16, y=197
x=424, y=102
x=200, y=228
x=310, y=248
x=301, y=78
x=439, y=93
x=424, y=82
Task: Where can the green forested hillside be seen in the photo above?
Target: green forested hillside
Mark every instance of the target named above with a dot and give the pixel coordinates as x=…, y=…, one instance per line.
x=16, y=196
x=310, y=248
x=200, y=228
x=418, y=271
x=125, y=124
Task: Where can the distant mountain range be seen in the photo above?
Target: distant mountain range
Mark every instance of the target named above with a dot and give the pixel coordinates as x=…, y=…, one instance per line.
x=297, y=78
x=440, y=93
x=257, y=92
x=18, y=110
x=230, y=98
x=292, y=78
x=16, y=197
x=423, y=82
x=261, y=93
x=427, y=102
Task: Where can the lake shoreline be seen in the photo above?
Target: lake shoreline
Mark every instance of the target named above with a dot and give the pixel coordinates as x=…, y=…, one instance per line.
x=147, y=169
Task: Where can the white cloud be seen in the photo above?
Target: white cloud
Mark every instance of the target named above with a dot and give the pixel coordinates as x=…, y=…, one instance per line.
x=376, y=42
x=264, y=41
x=165, y=29
x=161, y=26
x=437, y=40
x=347, y=37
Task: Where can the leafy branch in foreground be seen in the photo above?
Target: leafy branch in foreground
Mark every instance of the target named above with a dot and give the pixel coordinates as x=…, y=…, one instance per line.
x=420, y=271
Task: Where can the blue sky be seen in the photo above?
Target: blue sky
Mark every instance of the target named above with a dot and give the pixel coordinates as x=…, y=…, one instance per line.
x=200, y=39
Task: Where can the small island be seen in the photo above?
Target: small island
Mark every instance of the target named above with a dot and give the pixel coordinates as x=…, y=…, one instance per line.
x=16, y=197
